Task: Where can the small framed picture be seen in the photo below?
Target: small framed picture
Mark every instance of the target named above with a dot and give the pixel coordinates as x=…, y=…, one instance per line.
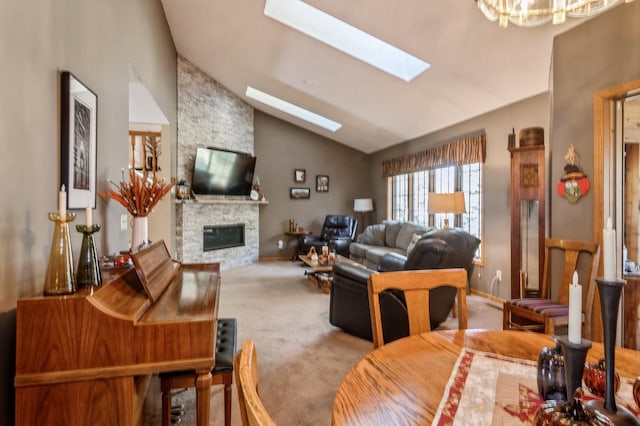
x=322, y=183
x=299, y=175
x=300, y=193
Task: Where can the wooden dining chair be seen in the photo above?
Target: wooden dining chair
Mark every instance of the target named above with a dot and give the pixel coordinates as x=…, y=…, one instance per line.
x=416, y=286
x=545, y=314
x=245, y=365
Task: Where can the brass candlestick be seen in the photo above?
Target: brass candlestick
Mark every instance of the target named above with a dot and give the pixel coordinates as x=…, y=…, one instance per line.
x=60, y=278
x=88, y=274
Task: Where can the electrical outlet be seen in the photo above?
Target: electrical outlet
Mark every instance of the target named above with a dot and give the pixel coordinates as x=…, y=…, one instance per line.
x=499, y=274
x=280, y=244
x=124, y=220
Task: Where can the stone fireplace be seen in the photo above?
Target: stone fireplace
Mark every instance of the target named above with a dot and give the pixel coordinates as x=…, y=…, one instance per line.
x=211, y=116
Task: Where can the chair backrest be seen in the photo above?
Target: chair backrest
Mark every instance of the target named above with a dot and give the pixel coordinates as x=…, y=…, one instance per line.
x=338, y=226
x=416, y=286
x=245, y=366
x=576, y=254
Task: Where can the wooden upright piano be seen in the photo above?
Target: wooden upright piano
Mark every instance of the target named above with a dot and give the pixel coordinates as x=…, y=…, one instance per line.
x=86, y=358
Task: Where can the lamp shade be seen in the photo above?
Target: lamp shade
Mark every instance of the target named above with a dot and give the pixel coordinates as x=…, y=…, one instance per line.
x=363, y=205
x=446, y=203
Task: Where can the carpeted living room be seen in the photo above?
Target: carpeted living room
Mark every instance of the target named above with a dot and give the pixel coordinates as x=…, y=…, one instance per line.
x=302, y=357
x=157, y=124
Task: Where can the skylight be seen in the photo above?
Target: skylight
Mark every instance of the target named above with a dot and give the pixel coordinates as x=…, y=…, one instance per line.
x=346, y=38
x=292, y=109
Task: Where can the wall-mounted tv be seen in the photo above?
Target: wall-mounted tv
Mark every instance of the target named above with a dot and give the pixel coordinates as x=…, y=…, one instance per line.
x=222, y=172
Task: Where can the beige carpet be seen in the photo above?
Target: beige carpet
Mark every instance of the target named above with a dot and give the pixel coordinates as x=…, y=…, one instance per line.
x=302, y=358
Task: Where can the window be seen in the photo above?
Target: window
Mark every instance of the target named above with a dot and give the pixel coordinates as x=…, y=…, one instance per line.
x=410, y=192
x=451, y=167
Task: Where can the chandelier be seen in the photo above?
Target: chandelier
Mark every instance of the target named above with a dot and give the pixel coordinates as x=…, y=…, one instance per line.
x=532, y=13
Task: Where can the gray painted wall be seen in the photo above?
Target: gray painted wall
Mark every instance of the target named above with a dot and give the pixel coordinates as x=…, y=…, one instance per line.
x=533, y=112
x=96, y=40
x=598, y=54
x=280, y=148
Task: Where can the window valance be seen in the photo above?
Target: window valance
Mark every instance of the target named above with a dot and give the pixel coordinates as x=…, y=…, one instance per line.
x=470, y=149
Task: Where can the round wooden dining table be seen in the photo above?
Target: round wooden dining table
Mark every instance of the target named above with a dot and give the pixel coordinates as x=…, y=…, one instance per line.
x=403, y=382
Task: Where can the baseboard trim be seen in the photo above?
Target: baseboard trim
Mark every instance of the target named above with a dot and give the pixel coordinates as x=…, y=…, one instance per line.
x=273, y=259
x=495, y=301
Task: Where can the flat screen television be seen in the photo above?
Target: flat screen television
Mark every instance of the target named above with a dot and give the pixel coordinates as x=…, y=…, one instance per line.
x=222, y=172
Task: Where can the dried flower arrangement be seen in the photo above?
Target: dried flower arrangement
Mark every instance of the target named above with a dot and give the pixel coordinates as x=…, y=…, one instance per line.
x=141, y=194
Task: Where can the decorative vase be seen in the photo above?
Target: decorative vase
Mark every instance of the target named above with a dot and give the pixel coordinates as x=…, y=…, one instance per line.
x=88, y=273
x=551, y=374
x=60, y=278
x=139, y=233
x=595, y=378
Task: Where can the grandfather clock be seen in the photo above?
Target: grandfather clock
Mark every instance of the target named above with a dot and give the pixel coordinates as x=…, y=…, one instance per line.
x=527, y=212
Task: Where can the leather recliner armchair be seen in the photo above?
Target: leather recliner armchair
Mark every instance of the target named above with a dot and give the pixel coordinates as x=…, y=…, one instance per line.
x=438, y=249
x=338, y=231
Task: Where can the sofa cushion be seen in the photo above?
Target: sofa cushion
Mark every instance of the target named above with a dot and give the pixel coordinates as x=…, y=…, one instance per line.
x=359, y=249
x=373, y=234
x=406, y=233
x=375, y=254
x=391, y=232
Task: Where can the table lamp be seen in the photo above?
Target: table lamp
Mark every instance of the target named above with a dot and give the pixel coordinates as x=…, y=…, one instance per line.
x=447, y=203
x=363, y=205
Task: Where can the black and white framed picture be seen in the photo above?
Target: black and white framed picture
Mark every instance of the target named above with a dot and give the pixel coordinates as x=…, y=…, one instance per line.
x=299, y=175
x=322, y=183
x=78, y=141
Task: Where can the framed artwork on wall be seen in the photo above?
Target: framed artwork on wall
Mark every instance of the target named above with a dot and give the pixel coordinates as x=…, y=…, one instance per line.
x=299, y=175
x=300, y=193
x=78, y=141
x=322, y=183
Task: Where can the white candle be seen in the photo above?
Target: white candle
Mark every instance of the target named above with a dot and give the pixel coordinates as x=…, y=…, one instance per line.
x=62, y=203
x=609, y=251
x=575, y=310
x=88, y=217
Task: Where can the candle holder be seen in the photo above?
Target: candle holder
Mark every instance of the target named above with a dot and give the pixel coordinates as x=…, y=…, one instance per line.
x=609, y=301
x=60, y=278
x=88, y=274
x=571, y=411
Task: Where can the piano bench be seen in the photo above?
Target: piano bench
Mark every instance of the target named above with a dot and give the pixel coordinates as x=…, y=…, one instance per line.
x=222, y=373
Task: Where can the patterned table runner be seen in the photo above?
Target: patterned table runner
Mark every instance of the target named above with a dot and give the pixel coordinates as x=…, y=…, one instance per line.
x=486, y=388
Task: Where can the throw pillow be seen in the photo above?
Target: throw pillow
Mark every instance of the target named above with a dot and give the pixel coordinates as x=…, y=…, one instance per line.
x=412, y=244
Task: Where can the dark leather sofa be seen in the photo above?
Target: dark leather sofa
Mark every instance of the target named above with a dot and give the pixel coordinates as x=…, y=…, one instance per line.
x=338, y=231
x=349, y=300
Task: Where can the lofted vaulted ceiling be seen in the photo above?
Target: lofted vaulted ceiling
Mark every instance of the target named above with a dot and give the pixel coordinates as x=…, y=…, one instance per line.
x=476, y=67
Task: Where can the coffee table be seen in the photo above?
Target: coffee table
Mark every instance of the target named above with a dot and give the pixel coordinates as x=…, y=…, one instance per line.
x=322, y=274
